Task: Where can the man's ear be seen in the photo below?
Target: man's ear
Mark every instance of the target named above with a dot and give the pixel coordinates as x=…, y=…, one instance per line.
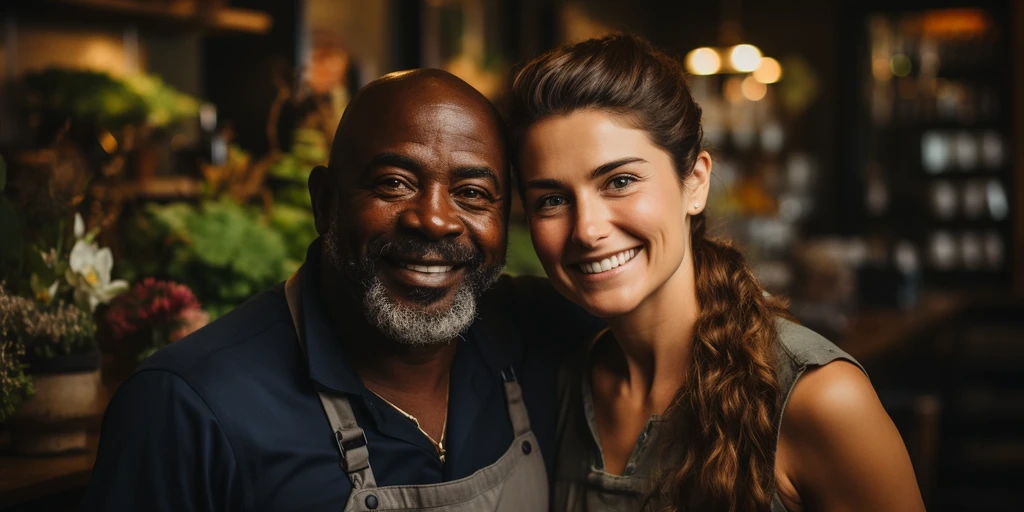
x=319, y=195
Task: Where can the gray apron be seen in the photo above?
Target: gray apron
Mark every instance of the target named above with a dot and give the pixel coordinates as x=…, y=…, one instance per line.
x=518, y=481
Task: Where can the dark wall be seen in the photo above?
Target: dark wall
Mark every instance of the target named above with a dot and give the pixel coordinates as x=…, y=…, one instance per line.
x=239, y=71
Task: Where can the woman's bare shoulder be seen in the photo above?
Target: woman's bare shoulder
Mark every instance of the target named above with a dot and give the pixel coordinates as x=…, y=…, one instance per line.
x=842, y=450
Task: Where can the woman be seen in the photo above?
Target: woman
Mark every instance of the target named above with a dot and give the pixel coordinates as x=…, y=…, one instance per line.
x=701, y=396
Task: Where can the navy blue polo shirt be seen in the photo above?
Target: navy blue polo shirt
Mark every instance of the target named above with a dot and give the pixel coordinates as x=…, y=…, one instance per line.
x=228, y=418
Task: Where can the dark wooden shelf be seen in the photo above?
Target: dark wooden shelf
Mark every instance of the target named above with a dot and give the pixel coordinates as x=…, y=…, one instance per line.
x=159, y=15
x=173, y=187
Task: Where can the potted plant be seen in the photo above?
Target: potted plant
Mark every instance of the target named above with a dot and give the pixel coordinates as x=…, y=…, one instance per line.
x=150, y=316
x=15, y=386
x=55, y=329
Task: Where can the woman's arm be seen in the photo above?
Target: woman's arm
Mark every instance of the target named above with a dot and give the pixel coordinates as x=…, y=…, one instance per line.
x=839, y=449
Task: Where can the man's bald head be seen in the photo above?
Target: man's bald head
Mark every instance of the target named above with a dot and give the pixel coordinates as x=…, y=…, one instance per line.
x=400, y=93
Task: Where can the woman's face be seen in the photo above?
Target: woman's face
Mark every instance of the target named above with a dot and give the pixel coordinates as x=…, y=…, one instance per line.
x=608, y=214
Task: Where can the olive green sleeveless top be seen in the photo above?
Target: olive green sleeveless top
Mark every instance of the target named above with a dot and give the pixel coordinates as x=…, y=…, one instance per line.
x=580, y=482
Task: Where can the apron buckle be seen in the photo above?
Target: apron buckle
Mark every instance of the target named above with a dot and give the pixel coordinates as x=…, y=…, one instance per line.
x=351, y=444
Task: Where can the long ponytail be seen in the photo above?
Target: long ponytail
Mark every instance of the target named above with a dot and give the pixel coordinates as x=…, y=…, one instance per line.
x=725, y=413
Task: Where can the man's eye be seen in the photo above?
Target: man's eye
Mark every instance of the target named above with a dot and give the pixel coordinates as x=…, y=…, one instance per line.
x=472, y=193
x=392, y=186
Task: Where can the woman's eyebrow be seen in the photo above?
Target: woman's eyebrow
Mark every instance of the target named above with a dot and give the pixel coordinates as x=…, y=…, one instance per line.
x=548, y=183
x=611, y=166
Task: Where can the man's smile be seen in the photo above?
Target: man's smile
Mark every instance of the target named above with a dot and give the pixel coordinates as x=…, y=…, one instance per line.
x=430, y=274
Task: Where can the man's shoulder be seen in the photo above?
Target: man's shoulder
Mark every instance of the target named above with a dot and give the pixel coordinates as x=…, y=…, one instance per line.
x=227, y=344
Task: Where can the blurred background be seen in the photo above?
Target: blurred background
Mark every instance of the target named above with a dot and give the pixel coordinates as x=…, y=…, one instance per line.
x=867, y=156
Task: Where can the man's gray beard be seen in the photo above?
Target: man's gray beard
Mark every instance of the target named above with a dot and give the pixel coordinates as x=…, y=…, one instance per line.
x=413, y=326
x=409, y=325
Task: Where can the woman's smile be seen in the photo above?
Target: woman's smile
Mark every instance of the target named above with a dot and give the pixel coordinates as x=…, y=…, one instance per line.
x=595, y=268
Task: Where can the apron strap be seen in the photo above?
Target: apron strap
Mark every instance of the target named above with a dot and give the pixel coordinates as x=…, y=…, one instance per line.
x=514, y=399
x=355, y=456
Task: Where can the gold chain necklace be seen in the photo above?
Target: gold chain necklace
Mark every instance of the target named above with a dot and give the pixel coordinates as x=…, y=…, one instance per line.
x=438, y=445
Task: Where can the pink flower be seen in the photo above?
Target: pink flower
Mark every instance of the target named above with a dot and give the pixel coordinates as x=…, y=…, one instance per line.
x=191, y=320
x=153, y=305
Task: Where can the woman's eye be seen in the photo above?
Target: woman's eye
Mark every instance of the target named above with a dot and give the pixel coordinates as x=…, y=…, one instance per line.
x=552, y=202
x=621, y=181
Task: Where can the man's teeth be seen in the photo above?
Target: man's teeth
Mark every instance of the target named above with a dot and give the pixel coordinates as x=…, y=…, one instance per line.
x=428, y=269
x=596, y=267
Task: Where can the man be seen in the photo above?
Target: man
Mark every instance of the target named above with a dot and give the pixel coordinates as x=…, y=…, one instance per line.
x=383, y=362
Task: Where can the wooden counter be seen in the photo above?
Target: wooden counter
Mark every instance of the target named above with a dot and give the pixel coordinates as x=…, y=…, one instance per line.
x=875, y=332
x=23, y=478
x=26, y=478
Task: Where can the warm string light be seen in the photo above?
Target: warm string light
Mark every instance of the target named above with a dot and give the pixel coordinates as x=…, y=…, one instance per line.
x=703, y=61
x=744, y=57
x=741, y=58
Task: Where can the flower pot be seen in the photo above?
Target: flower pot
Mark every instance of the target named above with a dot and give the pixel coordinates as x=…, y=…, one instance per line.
x=56, y=418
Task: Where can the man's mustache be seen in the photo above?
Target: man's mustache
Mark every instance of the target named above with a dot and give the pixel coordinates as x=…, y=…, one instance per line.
x=412, y=249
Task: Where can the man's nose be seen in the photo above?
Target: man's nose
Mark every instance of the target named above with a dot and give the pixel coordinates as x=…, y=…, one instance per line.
x=433, y=214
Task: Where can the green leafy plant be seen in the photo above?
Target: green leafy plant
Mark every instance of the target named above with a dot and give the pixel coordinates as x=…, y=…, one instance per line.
x=108, y=101
x=222, y=250
x=293, y=213
x=521, y=258
x=296, y=227
x=84, y=95
x=164, y=104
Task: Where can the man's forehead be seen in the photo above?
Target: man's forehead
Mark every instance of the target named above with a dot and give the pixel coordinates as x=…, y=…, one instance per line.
x=450, y=124
x=441, y=120
x=427, y=108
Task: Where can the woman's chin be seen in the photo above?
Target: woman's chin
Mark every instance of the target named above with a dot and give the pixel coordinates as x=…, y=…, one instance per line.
x=607, y=305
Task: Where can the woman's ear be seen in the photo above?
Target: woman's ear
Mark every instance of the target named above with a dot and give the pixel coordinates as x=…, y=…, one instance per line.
x=319, y=193
x=698, y=183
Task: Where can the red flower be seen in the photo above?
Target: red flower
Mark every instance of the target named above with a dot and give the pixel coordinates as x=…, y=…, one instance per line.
x=154, y=305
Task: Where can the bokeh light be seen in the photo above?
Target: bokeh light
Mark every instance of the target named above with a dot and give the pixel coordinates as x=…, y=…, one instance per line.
x=745, y=57
x=768, y=71
x=900, y=65
x=703, y=61
x=752, y=89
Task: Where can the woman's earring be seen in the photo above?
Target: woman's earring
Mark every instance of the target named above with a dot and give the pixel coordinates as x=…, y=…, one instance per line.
x=696, y=205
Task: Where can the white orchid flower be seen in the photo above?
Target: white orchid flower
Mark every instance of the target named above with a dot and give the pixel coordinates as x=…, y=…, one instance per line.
x=89, y=274
x=79, y=226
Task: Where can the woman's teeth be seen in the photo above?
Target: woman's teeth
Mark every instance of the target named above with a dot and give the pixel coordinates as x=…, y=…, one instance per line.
x=428, y=269
x=596, y=267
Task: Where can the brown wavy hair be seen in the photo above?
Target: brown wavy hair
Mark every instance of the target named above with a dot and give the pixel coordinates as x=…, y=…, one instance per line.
x=719, y=451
